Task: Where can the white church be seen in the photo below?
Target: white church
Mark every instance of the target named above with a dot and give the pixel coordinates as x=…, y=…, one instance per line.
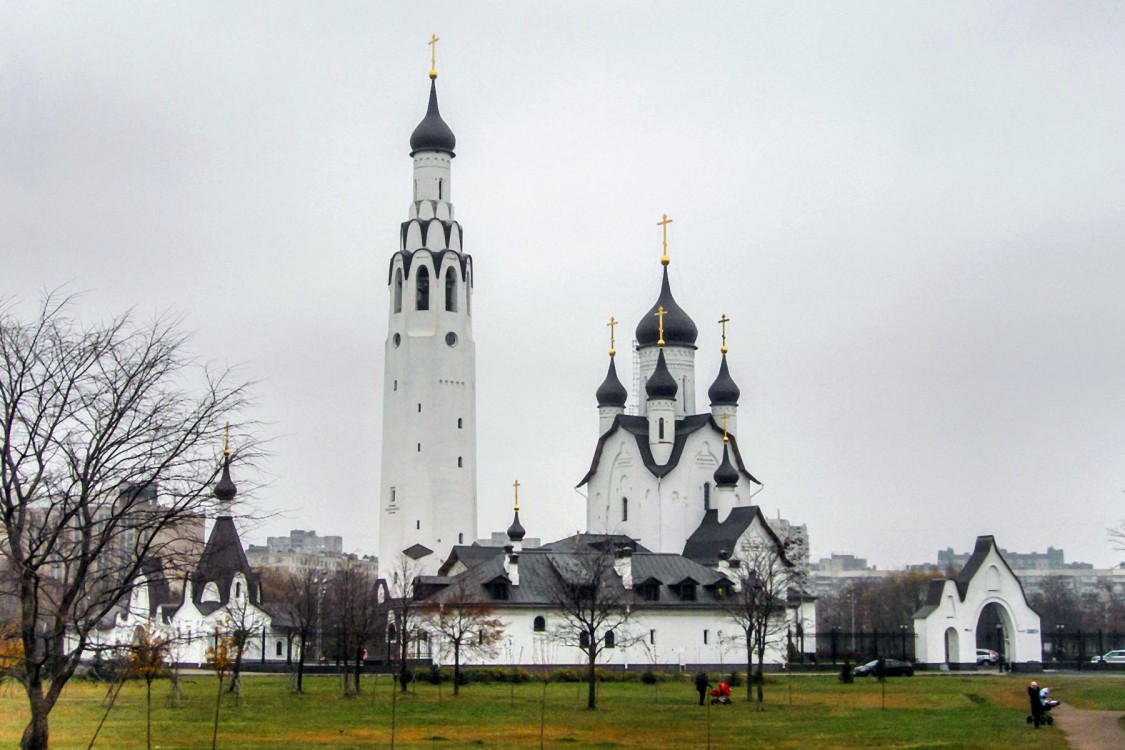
x=668, y=490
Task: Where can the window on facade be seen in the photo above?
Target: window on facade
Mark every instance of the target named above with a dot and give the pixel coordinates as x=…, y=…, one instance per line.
x=706, y=496
x=396, y=385
x=460, y=538
x=398, y=290
x=419, y=408
x=652, y=637
x=584, y=639
x=459, y=464
x=539, y=624
x=237, y=590
x=440, y=186
x=419, y=447
x=422, y=291
x=706, y=636
x=392, y=495
x=392, y=632
x=686, y=592
x=418, y=525
x=660, y=428
x=624, y=509
x=460, y=423
x=650, y=591
x=498, y=590
x=450, y=290
x=610, y=640
x=277, y=649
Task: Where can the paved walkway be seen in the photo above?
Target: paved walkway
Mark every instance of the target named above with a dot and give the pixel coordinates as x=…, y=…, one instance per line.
x=1087, y=729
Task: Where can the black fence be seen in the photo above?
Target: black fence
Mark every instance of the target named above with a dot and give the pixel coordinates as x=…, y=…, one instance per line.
x=1066, y=648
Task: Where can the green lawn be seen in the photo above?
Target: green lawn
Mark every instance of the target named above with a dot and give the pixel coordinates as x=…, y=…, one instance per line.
x=922, y=712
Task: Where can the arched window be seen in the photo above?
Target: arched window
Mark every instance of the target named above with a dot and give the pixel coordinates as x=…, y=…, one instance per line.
x=398, y=290
x=624, y=509
x=238, y=591
x=459, y=463
x=422, y=295
x=706, y=496
x=440, y=185
x=450, y=290
x=460, y=424
x=584, y=639
x=392, y=632
x=277, y=649
x=610, y=640
x=461, y=538
x=539, y=625
x=660, y=429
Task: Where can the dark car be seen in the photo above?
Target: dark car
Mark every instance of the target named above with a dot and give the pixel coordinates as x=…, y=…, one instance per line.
x=891, y=668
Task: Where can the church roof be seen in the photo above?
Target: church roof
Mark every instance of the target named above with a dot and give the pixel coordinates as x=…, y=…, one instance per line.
x=724, y=391
x=432, y=134
x=542, y=569
x=469, y=555
x=661, y=384
x=223, y=557
x=679, y=328
x=712, y=536
x=611, y=392
x=638, y=427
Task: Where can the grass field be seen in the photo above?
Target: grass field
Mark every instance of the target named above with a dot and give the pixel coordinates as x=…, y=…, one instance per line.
x=945, y=711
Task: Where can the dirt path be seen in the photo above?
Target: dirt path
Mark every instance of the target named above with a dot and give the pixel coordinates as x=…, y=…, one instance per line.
x=1090, y=730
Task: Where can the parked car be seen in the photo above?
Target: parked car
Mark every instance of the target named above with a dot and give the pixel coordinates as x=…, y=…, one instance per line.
x=1113, y=657
x=891, y=668
x=987, y=656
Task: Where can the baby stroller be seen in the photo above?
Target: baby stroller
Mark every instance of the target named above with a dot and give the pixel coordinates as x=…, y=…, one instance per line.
x=721, y=694
x=1041, y=705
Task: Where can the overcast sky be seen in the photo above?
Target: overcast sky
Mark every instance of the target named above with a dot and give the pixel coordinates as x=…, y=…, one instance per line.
x=913, y=213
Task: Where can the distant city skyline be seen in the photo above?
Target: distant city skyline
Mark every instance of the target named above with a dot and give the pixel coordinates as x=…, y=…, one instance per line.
x=913, y=215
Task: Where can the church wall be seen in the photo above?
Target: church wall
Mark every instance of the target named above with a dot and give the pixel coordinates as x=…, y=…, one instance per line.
x=681, y=364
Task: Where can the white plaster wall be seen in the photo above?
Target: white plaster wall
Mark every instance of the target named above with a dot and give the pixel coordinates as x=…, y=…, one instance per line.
x=681, y=365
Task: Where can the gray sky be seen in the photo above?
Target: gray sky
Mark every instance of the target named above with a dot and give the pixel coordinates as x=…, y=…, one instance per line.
x=913, y=213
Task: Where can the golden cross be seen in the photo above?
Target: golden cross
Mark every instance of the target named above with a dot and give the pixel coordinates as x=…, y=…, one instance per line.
x=612, y=324
x=226, y=440
x=433, y=55
x=723, y=322
x=516, y=485
x=724, y=418
x=664, y=222
x=660, y=313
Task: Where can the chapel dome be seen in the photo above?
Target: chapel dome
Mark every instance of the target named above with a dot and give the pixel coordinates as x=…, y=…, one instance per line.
x=679, y=328
x=726, y=475
x=611, y=392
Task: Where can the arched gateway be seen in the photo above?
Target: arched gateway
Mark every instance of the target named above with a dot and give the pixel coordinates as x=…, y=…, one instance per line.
x=983, y=607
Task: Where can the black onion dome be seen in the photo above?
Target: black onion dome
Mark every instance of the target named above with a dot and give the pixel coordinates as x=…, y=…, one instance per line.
x=516, y=530
x=611, y=392
x=225, y=489
x=661, y=384
x=726, y=475
x=679, y=328
x=724, y=391
x=432, y=134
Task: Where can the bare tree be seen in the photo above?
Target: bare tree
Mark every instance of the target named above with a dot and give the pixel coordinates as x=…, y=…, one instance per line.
x=763, y=578
x=353, y=600
x=303, y=594
x=592, y=603
x=1117, y=536
x=467, y=623
x=85, y=411
x=404, y=614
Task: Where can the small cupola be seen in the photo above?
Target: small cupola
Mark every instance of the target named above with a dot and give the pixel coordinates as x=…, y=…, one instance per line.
x=225, y=489
x=724, y=391
x=611, y=392
x=661, y=385
x=726, y=475
x=432, y=134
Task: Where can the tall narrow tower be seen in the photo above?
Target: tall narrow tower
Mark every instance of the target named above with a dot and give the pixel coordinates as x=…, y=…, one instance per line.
x=428, y=492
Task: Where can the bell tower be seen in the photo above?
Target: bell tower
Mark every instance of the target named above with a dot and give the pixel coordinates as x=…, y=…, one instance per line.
x=428, y=487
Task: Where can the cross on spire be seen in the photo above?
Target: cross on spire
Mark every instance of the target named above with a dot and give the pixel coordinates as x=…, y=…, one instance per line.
x=516, y=487
x=660, y=313
x=723, y=322
x=226, y=440
x=612, y=324
x=433, y=55
x=663, y=223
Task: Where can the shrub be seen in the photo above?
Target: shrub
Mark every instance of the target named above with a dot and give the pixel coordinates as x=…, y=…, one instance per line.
x=734, y=679
x=648, y=677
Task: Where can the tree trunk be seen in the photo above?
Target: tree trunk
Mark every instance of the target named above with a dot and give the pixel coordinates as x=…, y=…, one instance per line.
x=456, y=668
x=218, y=700
x=301, y=664
x=759, y=678
x=148, y=712
x=749, y=668
x=35, y=735
x=592, y=696
x=236, y=672
x=358, y=666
